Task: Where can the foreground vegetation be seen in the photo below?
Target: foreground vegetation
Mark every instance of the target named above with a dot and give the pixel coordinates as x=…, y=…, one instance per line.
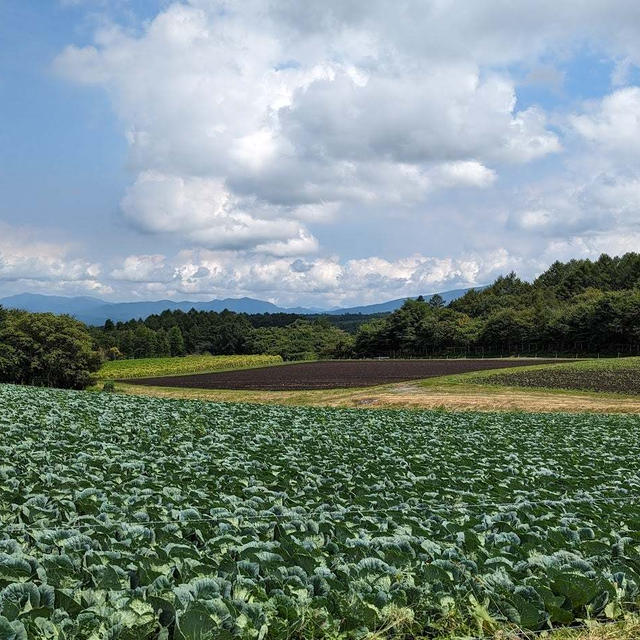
x=143, y=367
x=628, y=629
x=142, y=518
x=614, y=375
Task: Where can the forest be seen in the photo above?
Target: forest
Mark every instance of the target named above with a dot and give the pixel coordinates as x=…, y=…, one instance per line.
x=581, y=307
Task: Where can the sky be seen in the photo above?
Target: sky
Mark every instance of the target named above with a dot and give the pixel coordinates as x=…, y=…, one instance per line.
x=325, y=153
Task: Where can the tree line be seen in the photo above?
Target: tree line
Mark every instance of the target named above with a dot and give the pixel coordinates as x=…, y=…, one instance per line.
x=580, y=307
x=176, y=333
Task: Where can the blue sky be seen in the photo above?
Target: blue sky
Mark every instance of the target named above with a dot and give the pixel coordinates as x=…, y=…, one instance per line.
x=64, y=165
x=319, y=153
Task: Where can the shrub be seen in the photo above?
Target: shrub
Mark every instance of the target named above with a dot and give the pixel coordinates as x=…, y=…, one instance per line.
x=46, y=350
x=300, y=355
x=113, y=353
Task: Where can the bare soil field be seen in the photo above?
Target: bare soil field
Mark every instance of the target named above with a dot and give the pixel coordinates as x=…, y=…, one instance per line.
x=332, y=374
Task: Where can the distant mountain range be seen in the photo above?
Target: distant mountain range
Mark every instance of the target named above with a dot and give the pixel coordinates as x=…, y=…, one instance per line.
x=392, y=305
x=95, y=311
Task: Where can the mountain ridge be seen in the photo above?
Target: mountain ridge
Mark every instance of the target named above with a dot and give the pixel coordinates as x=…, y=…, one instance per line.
x=94, y=311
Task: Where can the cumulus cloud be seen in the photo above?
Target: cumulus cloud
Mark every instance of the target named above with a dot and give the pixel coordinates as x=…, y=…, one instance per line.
x=233, y=114
x=26, y=262
x=144, y=268
x=599, y=203
x=203, y=211
x=596, y=194
x=159, y=202
x=613, y=124
x=420, y=115
x=464, y=173
x=321, y=281
x=250, y=125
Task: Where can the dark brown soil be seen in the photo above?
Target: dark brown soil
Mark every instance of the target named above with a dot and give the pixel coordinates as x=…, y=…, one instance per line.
x=331, y=374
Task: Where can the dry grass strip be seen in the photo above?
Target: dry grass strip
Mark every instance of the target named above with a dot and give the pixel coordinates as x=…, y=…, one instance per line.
x=413, y=396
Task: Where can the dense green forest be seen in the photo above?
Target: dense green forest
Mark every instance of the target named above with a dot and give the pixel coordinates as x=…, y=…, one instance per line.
x=174, y=333
x=580, y=307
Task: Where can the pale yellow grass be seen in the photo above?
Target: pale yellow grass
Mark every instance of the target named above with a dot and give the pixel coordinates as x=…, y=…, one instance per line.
x=625, y=630
x=413, y=395
x=628, y=629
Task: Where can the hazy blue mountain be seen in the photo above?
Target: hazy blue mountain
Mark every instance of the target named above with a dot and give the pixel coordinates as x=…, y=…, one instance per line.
x=392, y=305
x=56, y=304
x=95, y=311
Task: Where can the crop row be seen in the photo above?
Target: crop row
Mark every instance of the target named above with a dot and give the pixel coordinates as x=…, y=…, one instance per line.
x=131, y=518
x=614, y=376
x=143, y=367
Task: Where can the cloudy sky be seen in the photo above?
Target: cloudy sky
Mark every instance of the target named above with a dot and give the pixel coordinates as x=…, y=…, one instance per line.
x=319, y=153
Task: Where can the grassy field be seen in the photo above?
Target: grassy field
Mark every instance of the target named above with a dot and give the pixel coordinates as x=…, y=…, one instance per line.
x=147, y=367
x=610, y=375
x=469, y=391
x=436, y=395
x=625, y=630
x=131, y=517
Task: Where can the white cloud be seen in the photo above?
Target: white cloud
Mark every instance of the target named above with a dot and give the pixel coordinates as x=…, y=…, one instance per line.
x=464, y=173
x=529, y=139
x=144, y=268
x=231, y=114
x=321, y=281
x=620, y=194
x=535, y=219
x=599, y=203
x=621, y=72
x=202, y=210
x=592, y=247
x=29, y=263
x=316, y=212
x=596, y=195
x=159, y=202
x=250, y=124
x=613, y=124
x=417, y=115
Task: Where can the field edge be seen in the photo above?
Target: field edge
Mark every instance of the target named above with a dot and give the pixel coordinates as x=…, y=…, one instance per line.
x=412, y=395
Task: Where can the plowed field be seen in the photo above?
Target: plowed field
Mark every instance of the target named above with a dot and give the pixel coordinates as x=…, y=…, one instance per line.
x=332, y=374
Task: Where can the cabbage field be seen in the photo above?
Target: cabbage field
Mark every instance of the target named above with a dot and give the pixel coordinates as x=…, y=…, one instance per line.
x=133, y=518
